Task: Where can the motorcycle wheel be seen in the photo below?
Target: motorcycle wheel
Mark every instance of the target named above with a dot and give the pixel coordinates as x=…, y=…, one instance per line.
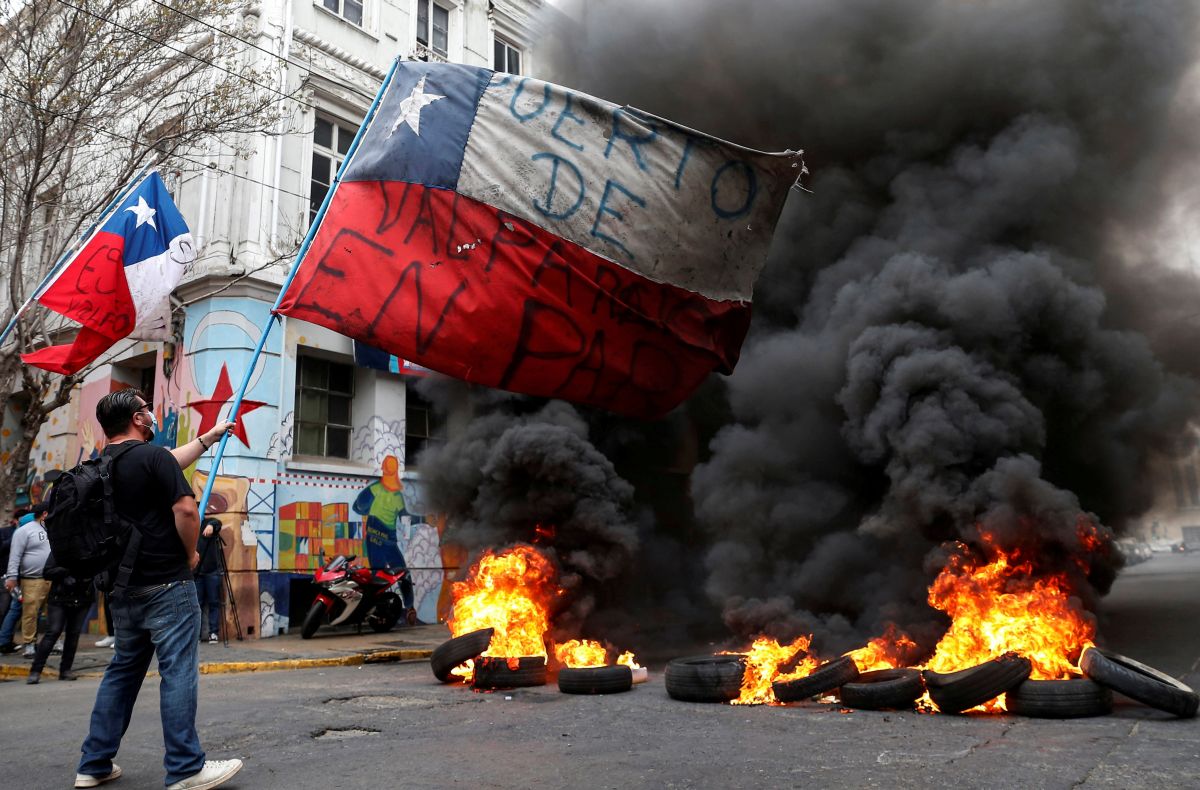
x=313, y=620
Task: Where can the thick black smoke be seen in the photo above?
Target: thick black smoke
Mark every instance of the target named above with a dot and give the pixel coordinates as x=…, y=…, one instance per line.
x=953, y=331
x=520, y=472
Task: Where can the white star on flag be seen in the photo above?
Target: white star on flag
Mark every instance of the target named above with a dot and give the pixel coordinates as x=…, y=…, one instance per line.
x=144, y=213
x=410, y=108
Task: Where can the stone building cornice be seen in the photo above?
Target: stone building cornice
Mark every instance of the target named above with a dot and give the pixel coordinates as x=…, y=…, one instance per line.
x=321, y=45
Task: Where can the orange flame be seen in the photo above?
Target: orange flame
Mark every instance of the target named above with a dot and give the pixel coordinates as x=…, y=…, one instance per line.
x=579, y=653
x=769, y=661
x=1006, y=605
x=629, y=660
x=510, y=591
x=884, y=652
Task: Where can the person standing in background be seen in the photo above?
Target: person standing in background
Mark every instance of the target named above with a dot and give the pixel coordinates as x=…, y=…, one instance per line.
x=209, y=575
x=10, y=605
x=26, y=561
x=70, y=599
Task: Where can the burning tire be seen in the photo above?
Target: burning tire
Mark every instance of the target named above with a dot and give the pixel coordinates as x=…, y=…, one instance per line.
x=1059, y=699
x=705, y=678
x=456, y=651
x=884, y=688
x=493, y=672
x=823, y=679
x=954, y=692
x=1140, y=682
x=596, y=680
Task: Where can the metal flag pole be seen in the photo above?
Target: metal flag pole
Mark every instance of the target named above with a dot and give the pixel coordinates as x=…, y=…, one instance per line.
x=84, y=238
x=271, y=316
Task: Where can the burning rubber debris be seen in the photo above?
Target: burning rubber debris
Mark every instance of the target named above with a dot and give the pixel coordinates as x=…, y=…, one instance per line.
x=1011, y=632
x=499, y=621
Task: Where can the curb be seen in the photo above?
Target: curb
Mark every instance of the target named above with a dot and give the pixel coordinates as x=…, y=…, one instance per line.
x=14, y=672
x=357, y=659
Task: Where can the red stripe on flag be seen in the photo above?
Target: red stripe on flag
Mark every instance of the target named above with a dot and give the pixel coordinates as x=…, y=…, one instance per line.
x=455, y=285
x=72, y=357
x=91, y=290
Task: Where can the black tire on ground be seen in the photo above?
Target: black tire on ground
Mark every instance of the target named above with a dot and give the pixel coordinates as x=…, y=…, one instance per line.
x=1140, y=682
x=884, y=688
x=611, y=679
x=313, y=620
x=457, y=651
x=499, y=673
x=954, y=692
x=823, y=679
x=1059, y=699
x=705, y=678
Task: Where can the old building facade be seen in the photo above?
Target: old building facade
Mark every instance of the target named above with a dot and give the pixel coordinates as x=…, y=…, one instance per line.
x=326, y=441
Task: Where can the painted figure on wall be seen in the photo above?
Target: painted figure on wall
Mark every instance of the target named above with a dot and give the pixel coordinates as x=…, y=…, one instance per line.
x=382, y=502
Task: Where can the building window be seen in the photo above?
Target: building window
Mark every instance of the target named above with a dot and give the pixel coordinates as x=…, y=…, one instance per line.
x=507, y=57
x=331, y=141
x=324, y=401
x=433, y=27
x=350, y=10
x=422, y=426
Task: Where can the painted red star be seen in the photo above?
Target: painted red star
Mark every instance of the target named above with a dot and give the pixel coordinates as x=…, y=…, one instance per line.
x=210, y=409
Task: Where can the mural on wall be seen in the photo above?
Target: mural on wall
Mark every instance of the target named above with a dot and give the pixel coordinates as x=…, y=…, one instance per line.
x=210, y=408
x=277, y=520
x=379, y=440
x=377, y=521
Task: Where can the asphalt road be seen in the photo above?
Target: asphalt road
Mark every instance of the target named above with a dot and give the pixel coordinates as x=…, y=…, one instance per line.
x=393, y=726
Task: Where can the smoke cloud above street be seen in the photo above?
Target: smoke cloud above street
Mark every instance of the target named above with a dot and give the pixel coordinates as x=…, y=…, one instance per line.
x=961, y=327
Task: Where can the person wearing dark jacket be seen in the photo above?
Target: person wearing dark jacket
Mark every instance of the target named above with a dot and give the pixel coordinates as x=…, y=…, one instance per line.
x=70, y=599
x=10, y=606
x=209, y=574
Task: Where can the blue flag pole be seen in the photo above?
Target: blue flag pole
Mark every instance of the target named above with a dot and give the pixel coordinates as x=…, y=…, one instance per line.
x=87, y=234
x=271, y=317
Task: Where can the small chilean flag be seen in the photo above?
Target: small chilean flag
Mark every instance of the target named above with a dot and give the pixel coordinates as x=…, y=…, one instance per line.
x=119, y=283
x=520, y=235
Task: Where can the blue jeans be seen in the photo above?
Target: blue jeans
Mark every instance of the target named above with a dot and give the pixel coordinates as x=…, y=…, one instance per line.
x=162, y=620
x=10, y=620
x=208, y=588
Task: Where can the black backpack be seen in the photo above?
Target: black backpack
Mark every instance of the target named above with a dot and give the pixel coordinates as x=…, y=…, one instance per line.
x=88, y=537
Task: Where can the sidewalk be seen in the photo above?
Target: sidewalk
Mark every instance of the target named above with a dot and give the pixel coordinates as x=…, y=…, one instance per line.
x=330, y=647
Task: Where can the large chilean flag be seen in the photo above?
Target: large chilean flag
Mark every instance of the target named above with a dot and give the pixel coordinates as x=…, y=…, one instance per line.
x=119, y=283
x=520, y=235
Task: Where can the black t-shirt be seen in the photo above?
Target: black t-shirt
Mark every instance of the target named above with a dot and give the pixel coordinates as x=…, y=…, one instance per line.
x=147, y=482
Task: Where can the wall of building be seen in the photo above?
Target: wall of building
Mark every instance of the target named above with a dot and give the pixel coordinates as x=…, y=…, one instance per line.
x=248, y=212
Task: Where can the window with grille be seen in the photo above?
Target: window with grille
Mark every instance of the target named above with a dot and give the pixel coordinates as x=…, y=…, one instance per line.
x=433, y=27
x=324, y=405
x=507, y=57
x=350, y=10
x=422, y=426
x=331, y=141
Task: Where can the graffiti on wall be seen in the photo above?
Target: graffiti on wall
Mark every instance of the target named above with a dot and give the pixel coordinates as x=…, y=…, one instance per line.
x=278, y=520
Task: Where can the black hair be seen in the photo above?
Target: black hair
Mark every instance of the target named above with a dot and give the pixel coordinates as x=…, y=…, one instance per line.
x=116, y=409
x=40, y=508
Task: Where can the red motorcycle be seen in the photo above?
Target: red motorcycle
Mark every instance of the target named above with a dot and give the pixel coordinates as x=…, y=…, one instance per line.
x=353, y=594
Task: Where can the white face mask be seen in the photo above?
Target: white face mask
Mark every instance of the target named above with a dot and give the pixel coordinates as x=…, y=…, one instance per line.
x=153, y=428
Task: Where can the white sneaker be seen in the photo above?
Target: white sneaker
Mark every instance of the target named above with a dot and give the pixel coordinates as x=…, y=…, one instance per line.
x=214, y=772
x=108, y=641
x=83, y=780
x=213, y=639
